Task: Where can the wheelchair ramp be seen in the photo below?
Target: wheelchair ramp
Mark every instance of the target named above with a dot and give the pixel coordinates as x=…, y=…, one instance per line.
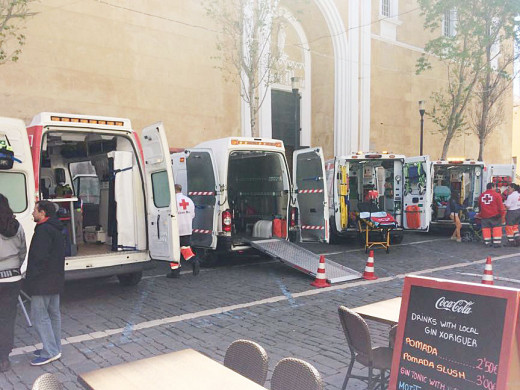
x=304, y=260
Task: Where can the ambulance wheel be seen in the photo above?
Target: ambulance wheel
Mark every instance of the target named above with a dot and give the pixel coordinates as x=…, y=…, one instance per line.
x=397, y=239
x=208, y=259
x=361, y=239
x=130, y=279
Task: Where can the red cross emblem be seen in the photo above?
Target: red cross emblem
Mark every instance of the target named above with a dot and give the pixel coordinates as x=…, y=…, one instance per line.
x=184, y=204
x=487, y=199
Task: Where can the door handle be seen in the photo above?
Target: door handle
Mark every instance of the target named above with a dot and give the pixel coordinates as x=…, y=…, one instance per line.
x=158, y=230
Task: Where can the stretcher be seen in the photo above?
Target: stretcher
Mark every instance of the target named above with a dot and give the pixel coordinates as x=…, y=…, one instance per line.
x=376, y=224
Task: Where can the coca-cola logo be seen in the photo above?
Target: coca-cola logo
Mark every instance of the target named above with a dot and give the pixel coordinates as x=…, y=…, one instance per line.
x=461, y=306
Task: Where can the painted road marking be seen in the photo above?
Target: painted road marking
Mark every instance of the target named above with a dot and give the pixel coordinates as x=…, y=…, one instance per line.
x=225, y=309
x=407, y=244
x=494, y=277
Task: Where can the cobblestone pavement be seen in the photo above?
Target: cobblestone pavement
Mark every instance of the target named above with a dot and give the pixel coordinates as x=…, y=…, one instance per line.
x=255, y=298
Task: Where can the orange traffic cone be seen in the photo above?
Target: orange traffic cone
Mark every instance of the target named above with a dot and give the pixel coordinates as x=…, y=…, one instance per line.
x=321, y=279
x=369, y=268
x=487, y=278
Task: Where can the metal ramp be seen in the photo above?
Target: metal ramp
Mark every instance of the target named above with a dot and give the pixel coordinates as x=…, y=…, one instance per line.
x=304, y=260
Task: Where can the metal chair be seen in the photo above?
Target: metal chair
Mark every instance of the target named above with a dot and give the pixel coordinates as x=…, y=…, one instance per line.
x=295, y=374
x=47, y=382
x=360, y=345
x=391, y=336
x=248, y=359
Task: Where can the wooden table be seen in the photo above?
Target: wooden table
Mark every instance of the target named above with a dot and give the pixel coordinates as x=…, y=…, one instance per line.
x=186, y=369
x=386, y=311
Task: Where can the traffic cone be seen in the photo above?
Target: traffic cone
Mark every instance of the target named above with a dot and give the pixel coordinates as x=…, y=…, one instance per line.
x=321, y=279
x=369, y=268
x=487, y=278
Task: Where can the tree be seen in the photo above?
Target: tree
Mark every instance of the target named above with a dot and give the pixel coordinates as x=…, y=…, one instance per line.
x=500, y=41
x=247, y=31
x=461, y=48
x=12, y=12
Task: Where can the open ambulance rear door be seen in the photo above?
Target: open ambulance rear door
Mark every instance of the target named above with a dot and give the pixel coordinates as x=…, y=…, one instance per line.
x=500, y=174
x=202, y=186
x=341, y=194
x=17, y=175
x=163, y=234
x=310, y=194
x=417, y=193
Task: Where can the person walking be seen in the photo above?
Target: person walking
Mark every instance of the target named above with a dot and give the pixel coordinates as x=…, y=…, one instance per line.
x=12, y=255
x=512, y=205
x=492, y=214
x=455, y=206
x=45, y=280
x=185, y=215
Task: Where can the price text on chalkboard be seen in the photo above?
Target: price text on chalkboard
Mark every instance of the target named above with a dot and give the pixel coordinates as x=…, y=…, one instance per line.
x=452, y=340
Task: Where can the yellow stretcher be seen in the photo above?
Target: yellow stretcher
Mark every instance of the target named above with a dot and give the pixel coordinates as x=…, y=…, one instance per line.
x=376, y=225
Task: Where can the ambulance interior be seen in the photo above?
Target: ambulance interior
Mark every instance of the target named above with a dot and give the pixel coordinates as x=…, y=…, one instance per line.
x=371, y=185
x=95, y=181
x=258, y=193
x=464, y=180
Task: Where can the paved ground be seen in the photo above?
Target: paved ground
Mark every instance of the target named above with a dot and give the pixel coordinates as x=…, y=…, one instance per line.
x=255, y=298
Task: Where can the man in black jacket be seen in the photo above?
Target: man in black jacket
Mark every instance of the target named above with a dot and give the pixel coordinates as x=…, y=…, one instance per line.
x=45, y=279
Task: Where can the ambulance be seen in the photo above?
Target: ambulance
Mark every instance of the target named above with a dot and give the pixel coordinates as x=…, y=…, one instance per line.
x=243, y=192
x=352, y=177
x=500, y=174
x=447, y=177
x=134, y=218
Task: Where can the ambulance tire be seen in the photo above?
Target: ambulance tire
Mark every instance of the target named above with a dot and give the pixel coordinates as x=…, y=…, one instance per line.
x=130, y=279
x=361, y=239
x=397, y=239
x=208, y=259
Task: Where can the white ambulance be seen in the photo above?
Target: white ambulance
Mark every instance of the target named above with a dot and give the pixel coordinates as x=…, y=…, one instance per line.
x=350, y=178
x=134, y=202
x=242, y=191
x=500, y=174
x=456, y=175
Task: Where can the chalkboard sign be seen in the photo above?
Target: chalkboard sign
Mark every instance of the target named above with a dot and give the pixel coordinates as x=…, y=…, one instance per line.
x=455, y=336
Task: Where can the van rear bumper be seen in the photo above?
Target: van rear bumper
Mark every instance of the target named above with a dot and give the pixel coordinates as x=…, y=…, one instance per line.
x=100, y=272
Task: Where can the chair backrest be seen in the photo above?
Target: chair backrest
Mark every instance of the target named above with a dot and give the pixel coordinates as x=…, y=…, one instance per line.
x=356, y=331
x=295, y=374
x=391, y=336
x=47, y=382
x=248, y=359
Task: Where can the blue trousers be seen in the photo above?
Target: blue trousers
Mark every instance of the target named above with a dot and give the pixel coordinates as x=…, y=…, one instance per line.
x=46, y=317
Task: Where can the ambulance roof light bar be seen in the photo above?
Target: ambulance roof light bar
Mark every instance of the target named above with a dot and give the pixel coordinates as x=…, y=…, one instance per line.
x=257, y=142
x=53, y=118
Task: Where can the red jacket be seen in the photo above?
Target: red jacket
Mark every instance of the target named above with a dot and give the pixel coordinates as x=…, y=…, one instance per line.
x=491, y=204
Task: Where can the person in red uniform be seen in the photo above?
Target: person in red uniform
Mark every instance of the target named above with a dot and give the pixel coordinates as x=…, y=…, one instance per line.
x=492, y=214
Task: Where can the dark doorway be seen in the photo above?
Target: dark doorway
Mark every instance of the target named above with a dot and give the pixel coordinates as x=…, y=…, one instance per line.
x=285, y=114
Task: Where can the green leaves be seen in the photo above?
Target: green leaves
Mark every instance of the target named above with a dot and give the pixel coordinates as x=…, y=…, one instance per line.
x=12, y=14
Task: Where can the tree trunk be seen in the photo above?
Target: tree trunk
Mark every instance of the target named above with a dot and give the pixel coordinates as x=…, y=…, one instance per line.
x=446, y=146
x=253, y=109
x=481, y=149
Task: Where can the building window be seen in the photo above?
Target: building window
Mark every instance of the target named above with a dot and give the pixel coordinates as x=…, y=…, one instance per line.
x=386, y=8
x=449, y=23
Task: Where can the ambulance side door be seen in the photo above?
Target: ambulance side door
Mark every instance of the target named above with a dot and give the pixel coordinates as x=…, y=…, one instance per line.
x=17, y=183
x=203, y=189
x=417, y=193
x=163, y=234
x=310, y=194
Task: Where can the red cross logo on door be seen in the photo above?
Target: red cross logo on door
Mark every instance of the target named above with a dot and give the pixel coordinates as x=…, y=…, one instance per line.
x=487, y=199
x=184, y=204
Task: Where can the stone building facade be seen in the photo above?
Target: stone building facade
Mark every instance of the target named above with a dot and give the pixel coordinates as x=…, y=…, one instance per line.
x=155, y=60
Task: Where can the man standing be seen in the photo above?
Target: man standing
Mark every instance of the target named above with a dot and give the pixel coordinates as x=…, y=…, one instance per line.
x=45, y=280
x=513, y=214
x=185, y=215
x=492, y=213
